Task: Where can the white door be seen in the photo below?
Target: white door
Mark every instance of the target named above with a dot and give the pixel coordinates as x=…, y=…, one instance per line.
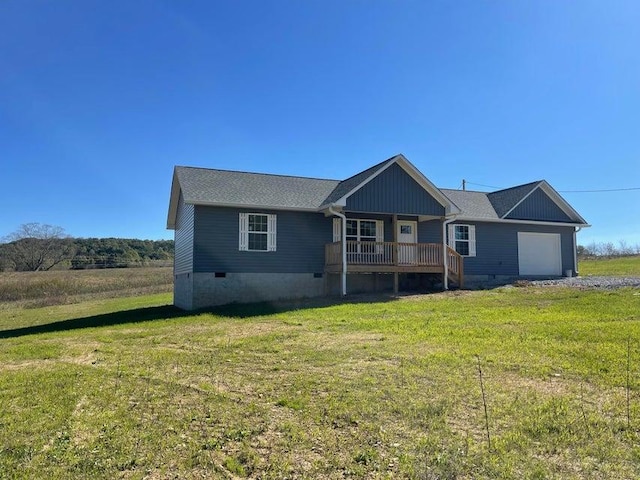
x=407, y=233
x=539, y=254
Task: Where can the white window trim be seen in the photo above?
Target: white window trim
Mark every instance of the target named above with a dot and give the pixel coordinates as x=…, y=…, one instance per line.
x=243, y=229
x=337, y=228
x=471, y=241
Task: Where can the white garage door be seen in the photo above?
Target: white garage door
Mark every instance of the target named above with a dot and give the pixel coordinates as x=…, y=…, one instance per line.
x=539, y=253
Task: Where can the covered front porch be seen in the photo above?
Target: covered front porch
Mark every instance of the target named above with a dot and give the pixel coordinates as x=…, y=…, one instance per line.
x=396, y=258
x=369, y=250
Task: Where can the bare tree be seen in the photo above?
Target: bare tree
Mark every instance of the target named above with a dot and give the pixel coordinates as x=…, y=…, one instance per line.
x=37, y=246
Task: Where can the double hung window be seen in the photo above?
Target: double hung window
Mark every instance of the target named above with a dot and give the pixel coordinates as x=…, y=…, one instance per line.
x=362, y=231
x=462, y=238
x=363, y=236
x=257, y=232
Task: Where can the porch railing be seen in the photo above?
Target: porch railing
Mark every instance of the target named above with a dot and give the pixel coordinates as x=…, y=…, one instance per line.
x=395, y=254
x=385, y=253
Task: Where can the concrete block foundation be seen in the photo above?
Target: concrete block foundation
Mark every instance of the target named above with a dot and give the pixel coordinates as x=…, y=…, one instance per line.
x=211, y=290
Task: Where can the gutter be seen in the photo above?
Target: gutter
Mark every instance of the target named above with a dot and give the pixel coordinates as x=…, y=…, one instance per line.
x=575, y=249
x=343, y=240
x=445, y=262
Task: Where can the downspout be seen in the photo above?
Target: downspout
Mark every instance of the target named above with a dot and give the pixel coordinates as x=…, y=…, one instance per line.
x=575, y=249
x=343, y=240
x=445, y=262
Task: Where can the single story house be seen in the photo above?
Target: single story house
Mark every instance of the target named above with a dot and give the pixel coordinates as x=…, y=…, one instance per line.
x=242, y=237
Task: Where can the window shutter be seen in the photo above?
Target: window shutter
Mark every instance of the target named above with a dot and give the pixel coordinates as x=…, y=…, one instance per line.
x=271, y=235
x=379, y=231
x=243, y=237
x=379, y=236
x=337, y=229
x=452, y=236
x=472, y=240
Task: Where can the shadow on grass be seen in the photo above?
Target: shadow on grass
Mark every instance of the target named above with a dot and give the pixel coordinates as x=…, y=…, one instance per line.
x=260, y=309
x=164, y=312
x=103, y=320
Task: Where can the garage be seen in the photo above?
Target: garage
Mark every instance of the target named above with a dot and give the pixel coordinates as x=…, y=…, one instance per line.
x=539, y=254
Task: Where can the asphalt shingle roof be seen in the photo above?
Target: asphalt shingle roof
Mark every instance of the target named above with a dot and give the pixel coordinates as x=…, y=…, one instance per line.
x=504, y=200
x=225, y=187
x=471, y=204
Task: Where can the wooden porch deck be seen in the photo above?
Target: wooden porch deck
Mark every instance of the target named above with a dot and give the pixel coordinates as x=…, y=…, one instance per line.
x=394, y=257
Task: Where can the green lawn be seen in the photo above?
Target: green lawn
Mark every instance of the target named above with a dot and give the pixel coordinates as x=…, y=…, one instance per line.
x=132, y=388
x=611, y=266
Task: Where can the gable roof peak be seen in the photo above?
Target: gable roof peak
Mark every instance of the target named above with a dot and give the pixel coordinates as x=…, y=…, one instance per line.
x=348, y=187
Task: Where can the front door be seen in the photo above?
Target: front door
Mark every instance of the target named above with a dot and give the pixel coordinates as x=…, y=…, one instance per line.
x=407, y=234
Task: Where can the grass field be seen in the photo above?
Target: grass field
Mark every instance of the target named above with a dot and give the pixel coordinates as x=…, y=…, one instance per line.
x=373, y=388
x=629, y=265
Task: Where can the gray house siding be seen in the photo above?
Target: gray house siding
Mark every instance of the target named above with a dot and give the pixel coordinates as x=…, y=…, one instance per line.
x=538, y=206
x=394, y=191
x=183, y=262
x=301, y=237
x=497, y=247
x=430, y=232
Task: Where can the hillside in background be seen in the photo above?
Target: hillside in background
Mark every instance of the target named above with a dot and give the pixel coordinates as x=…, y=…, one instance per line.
x=121, y=252
x=85, y=253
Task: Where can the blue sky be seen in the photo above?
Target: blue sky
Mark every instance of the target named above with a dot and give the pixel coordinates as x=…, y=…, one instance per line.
x=100, y=99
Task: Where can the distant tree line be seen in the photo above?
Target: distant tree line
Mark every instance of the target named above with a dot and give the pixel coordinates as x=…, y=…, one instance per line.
x=608, y=249
x=39, y=247
x=120, y=252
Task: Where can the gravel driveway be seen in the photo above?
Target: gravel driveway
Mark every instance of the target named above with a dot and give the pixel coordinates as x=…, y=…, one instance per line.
x=591, y=282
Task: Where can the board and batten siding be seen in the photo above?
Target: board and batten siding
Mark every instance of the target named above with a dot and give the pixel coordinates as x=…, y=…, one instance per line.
x=183, y=236
x=538, y=206
x=300, y=241
x=394, y=191
x=497, y=247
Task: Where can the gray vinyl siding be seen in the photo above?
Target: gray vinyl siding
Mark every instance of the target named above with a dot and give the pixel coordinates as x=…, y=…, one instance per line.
x=497, y=247
x=430, y=232
x=538, y=206
x=183, y=235
x=394, y=191
x=301, y=237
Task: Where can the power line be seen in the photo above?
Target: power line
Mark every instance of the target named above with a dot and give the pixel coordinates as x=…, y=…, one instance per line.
x=598, y=191
x=566, y=191
x=481, y=185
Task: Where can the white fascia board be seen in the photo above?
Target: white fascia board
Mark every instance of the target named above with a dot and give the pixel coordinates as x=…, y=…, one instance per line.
x=522, y=222
x=561, y=202
x=173, y=202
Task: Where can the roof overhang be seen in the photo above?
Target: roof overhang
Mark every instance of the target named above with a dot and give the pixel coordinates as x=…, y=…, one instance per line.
x=462, y=218
x=173, y=202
